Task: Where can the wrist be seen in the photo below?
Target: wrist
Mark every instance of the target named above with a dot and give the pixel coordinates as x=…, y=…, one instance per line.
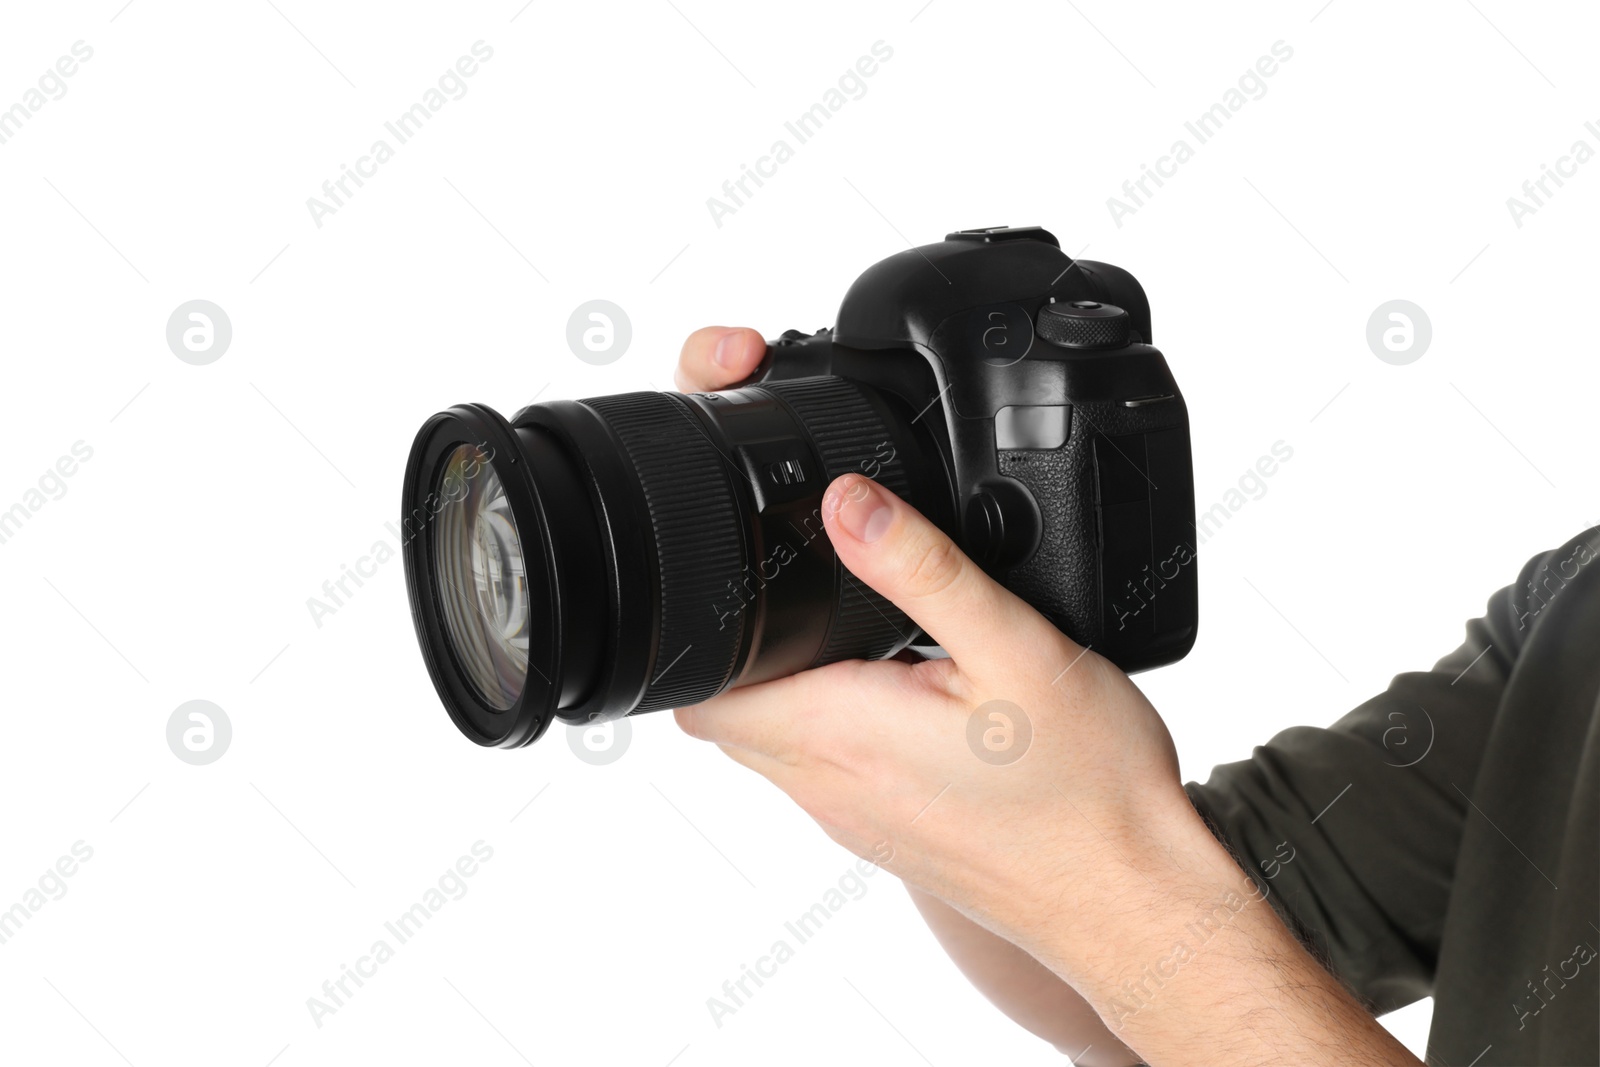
x=1186, y=953
x=1084, y=887
x=1145, y=879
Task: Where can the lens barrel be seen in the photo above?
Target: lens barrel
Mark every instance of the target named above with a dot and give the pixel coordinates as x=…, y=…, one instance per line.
x=672, y=545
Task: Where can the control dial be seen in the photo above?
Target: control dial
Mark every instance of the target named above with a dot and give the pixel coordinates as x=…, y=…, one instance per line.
x=1084, y=324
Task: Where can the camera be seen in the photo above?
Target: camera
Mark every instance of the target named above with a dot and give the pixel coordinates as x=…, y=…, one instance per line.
x=589, y=559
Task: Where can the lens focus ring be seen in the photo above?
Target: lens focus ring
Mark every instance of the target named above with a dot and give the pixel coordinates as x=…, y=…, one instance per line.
x=852, y=438
x=699, y=546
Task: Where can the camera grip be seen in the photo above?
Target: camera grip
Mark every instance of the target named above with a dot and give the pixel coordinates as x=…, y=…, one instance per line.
x=1059, y=579
x=1115, y=564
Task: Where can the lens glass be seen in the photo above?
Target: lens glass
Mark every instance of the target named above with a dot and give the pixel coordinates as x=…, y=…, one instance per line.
x=480, y=576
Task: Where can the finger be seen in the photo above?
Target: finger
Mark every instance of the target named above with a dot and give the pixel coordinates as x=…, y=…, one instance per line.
x=886, y=543
x=716, y=357
x=813, y=713
x=766, y=719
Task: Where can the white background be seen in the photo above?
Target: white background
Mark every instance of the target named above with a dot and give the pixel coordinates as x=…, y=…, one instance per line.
x=219, y=498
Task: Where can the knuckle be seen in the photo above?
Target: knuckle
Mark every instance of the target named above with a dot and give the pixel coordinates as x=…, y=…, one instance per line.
x=932, y=567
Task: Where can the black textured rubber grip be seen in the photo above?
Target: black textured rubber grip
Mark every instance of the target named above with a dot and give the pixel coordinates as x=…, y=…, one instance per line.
x=698, y=540
x=852, y=438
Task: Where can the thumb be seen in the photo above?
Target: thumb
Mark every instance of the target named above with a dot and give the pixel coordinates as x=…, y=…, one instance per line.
x=889, y=545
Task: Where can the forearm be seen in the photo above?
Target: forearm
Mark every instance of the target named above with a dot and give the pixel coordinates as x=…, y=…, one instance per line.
x=1187, y=963
x=1028, y=992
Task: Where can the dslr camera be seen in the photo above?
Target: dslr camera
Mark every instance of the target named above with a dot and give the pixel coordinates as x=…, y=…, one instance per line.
x=589, y=559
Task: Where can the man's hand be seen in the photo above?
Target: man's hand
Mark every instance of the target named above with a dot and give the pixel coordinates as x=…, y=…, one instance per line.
x=879, y=752
x=1015, y=982
x=1083, y=849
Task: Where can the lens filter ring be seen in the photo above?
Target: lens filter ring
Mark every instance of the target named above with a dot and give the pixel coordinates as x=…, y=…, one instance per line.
x=485, y=598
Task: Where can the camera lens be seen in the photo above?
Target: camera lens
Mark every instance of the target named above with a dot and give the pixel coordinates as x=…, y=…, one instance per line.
x=477, y=560
x=591, y=559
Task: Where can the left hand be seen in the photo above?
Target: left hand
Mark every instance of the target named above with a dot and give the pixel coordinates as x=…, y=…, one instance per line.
x=878, y=752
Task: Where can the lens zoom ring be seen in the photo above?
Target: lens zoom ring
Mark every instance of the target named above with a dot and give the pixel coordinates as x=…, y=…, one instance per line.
x=699, y=549
x=852, y=438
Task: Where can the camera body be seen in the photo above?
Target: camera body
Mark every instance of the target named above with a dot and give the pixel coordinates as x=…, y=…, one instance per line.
x=1063, y=434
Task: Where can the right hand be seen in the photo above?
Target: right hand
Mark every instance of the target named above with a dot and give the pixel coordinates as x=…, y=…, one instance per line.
x=1021, y=987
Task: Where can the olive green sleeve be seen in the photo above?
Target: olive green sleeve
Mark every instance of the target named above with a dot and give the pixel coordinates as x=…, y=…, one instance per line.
x=1354, y=829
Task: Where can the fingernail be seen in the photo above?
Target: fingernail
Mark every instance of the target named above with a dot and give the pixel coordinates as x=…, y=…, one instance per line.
x=863, y=510
x=730, y=347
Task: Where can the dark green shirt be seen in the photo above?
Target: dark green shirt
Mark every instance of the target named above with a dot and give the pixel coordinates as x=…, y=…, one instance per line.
x=1444, y=837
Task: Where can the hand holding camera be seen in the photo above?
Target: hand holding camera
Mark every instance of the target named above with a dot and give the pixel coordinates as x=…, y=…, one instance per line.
x=985, y=454
x=881, y=753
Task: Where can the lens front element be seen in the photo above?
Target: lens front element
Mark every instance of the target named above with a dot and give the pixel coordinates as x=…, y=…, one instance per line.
x=481, y=577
